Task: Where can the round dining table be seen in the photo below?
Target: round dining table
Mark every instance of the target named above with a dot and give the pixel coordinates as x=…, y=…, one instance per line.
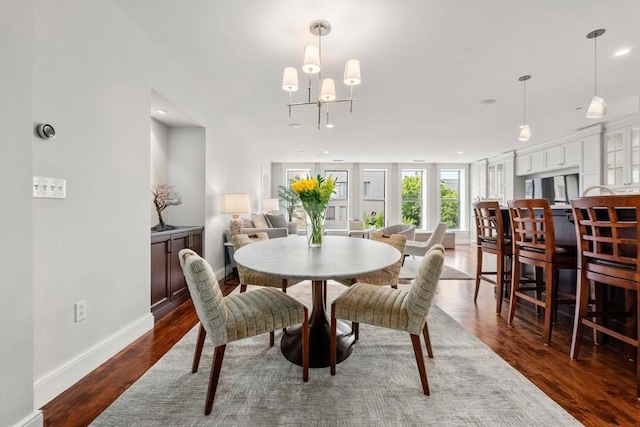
x=339, y=257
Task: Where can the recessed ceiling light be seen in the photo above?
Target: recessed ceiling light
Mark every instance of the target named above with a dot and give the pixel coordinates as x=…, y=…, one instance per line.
x=419, y=161
x=578, y=108
x=301, y=151
x=622, y=52
x=294, y=125
x=161, y=111
x=329, y=125
x=488, y=101
x=326, y=152
x=460, y=152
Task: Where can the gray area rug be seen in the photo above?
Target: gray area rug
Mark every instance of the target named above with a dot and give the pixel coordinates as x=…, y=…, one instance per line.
x=410, y=266
x=377, y=385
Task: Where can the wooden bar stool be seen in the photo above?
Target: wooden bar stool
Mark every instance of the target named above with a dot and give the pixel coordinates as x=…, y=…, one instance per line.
x=492, y=240
x=534, y=244
x=607, y=230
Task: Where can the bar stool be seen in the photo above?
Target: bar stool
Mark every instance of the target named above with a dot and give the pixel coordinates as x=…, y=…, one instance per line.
x=607, y=230
x=534, y=244
x=492, y=240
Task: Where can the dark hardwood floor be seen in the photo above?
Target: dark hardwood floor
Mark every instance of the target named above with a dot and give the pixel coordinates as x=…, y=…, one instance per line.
x=598, y=389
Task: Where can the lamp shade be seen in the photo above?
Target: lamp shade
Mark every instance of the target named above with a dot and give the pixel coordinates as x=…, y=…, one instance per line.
x=290, y=79
x=311, y=59
x=328, y=90
x=352, y=72
x=235, y=203
x=525, y=133
x=270, y=205
x=597, y=108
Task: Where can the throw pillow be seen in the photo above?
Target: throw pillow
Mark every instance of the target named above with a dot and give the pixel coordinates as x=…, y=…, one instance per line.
x=276, y=221
x=247, y=223
x=259, y=221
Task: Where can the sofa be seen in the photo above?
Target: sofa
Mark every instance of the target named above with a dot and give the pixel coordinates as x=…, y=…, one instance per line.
x=275, y=225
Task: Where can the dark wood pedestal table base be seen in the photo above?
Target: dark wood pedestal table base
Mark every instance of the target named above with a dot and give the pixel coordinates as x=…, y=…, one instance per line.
x=339, y=257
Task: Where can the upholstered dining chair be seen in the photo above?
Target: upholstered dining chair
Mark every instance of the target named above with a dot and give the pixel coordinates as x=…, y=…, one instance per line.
x=237, y=316
x=388, y=276
x=393, y=308
x=608, y=232
x=252, y=277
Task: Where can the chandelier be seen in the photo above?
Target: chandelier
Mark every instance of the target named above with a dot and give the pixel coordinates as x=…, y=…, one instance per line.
x=326, y=88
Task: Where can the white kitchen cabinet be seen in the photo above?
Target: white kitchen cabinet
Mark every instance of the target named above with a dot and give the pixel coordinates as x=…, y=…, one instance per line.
x=621, y=149
x=529, y=163
x=562, y=156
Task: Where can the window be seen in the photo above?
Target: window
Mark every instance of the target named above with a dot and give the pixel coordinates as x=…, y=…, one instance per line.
x=297, y=174
x=450, y=198
x=339, y=201
x=412, y=197
x=374, y=194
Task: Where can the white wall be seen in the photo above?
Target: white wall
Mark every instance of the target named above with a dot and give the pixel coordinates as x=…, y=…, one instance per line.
x=187, y=174
x=16, y=249
x=159, y=162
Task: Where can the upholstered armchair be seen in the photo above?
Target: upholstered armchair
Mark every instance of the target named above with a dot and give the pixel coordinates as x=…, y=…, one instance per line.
x=393, y=308
x=407, y=230
x=416, y=248
x=237, y=316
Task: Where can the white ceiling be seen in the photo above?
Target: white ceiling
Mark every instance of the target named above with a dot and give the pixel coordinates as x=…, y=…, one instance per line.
x=426, y=67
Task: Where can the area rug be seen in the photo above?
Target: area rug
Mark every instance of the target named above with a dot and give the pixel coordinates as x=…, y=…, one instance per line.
x=377, y=385
x=410, y=266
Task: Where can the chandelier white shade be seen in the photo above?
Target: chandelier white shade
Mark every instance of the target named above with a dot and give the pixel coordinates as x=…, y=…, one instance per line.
x=352, y=72
x=290, y=79
x=525, y=130
x=325, y=90
x=597, y=108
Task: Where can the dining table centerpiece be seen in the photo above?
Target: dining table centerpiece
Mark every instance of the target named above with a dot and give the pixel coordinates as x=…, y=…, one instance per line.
x=314, y=195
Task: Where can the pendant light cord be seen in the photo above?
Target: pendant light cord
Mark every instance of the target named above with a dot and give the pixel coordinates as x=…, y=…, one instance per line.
x=524, y=106
x=595, y=66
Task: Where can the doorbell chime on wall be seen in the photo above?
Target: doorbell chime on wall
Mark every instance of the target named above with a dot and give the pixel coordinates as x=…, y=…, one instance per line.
x=46, y=131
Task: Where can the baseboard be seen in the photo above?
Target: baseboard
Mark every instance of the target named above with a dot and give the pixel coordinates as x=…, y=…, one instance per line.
x=51, y=385
x=35, y=419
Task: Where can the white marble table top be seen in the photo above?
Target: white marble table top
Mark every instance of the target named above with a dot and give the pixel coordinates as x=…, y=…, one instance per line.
x=339, y=257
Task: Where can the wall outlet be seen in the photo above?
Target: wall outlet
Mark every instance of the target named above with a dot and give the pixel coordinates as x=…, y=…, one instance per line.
x=81, y=310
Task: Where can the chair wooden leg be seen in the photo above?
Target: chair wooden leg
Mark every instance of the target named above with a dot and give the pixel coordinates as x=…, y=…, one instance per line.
x=355, y=328
x=216, y=364
x=515, y=284
x=499, y=282
x=417, y=349
x=582, y=303
x=598, y=299
x=478, y=272
x=427, y=340
x=333, y=347
x=272, y=339
x=538, y=274
x=202, y=333
x=638, y=344
x=243, y=287
x=549, y=303
x=305, y=346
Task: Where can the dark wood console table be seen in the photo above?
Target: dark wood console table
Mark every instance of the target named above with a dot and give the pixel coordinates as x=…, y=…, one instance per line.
x=168, y=286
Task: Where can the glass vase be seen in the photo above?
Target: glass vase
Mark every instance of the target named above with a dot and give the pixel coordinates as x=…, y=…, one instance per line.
x=315, y=228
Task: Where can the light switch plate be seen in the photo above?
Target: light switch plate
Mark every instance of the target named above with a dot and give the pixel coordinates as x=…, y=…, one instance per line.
x=49, y=188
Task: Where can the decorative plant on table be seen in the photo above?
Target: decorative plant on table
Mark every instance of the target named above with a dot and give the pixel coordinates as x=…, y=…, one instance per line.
x=314, y=194
x=373, y=220
x=164, y=195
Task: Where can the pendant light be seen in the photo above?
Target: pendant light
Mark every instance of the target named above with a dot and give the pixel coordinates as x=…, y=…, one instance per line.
x=525, y=130
x=597, y=108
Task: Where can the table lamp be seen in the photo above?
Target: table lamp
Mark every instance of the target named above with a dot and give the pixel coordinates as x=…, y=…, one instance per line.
x=270, y=205
x=235, y=204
